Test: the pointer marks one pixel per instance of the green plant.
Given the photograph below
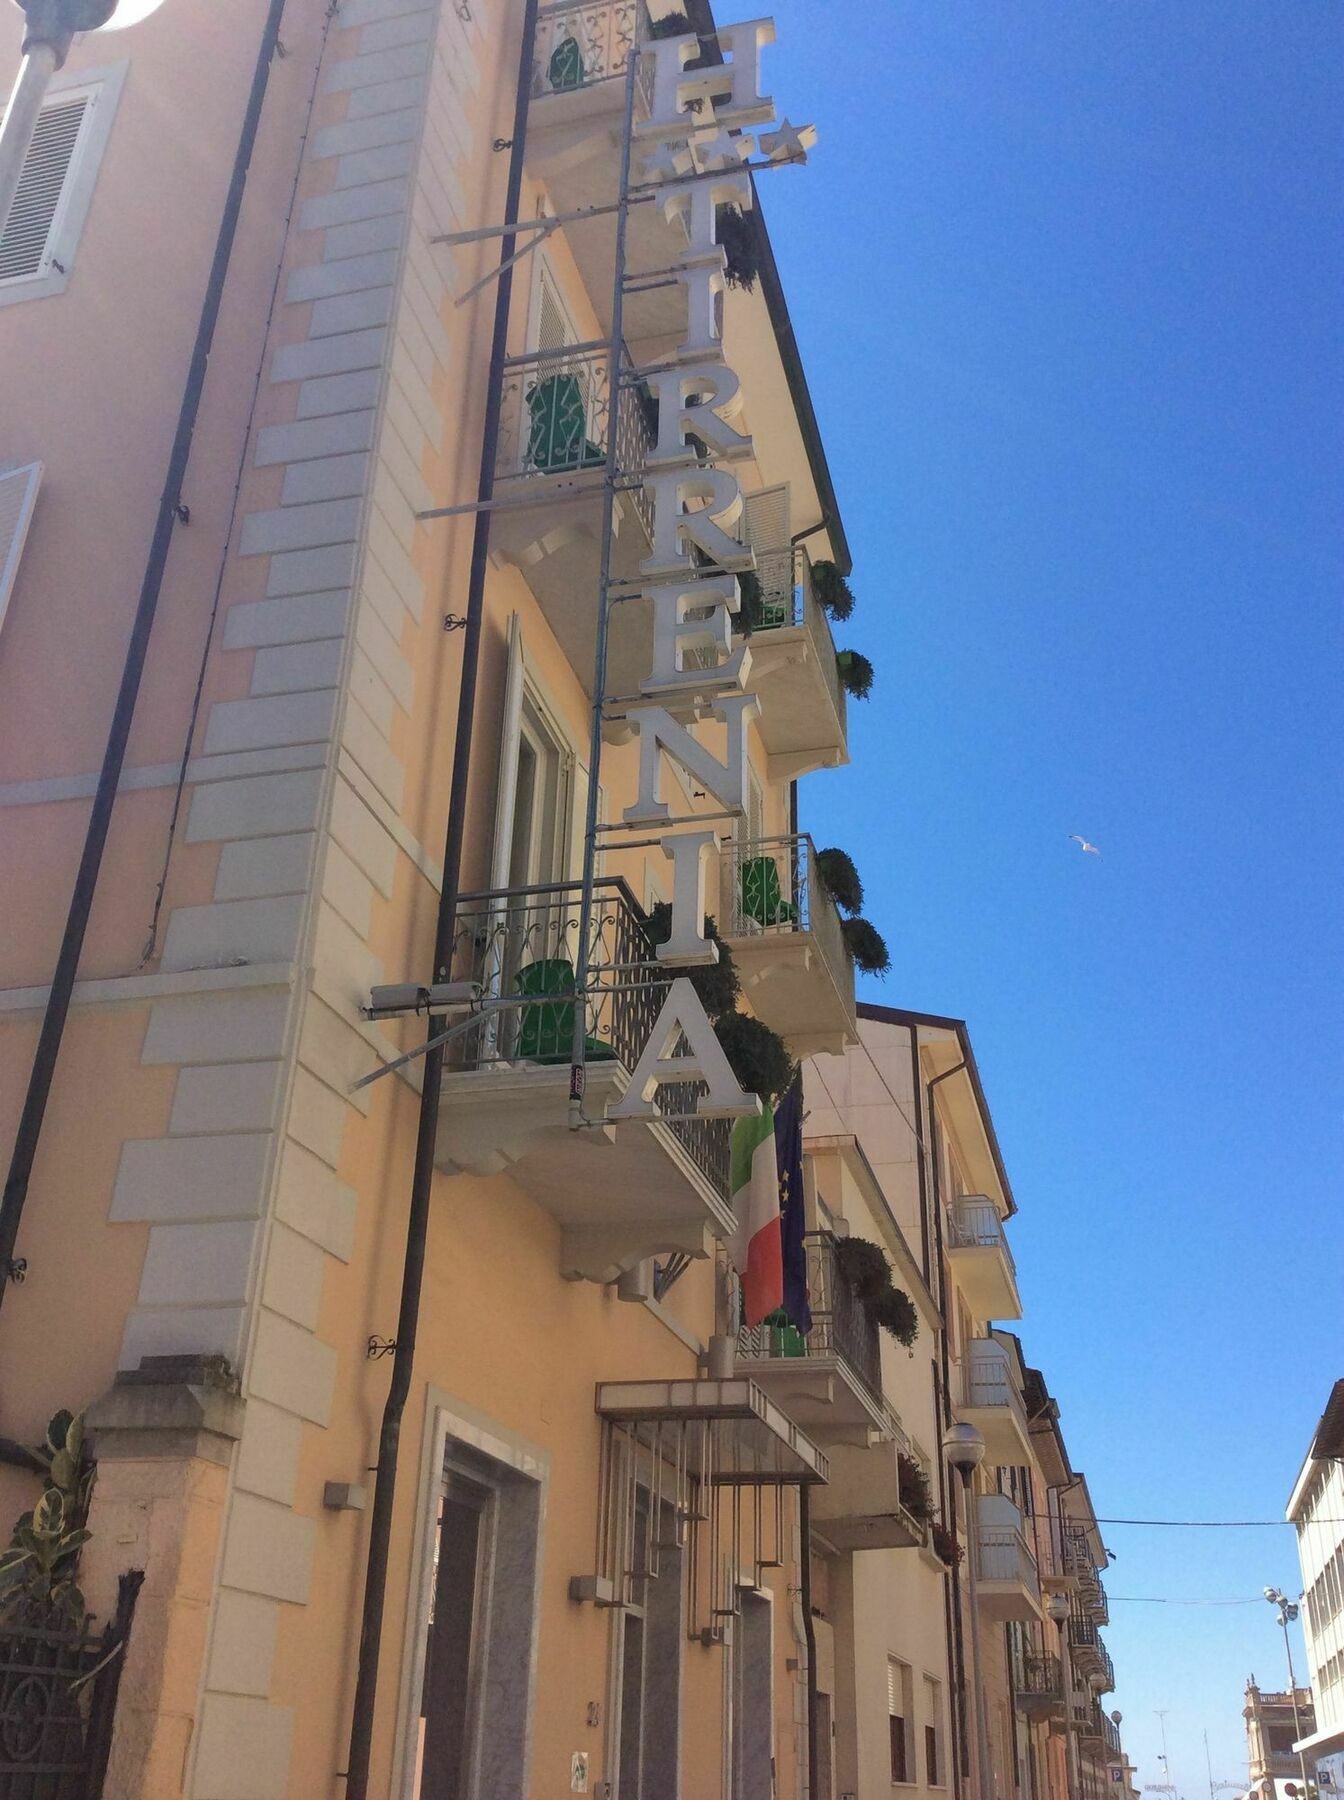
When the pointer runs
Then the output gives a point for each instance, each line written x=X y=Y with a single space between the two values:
x=866 y=946
x=672 y=24
x=748 y=616
x=863 y=1265
x=834 y=594
x=737 y=234
x=716 y=983
x=39 y=1564
x=757 y=1056
x=916 y=1497
x=840 y=879
x=945 y=1546
x=855 y=672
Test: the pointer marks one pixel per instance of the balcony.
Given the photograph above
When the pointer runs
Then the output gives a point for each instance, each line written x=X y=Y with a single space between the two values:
x=1091 y=1659
x=803 y=716
x=982 y=1264
x=830 y=1381
x=550 y=472
x=991 y=1402
x=1087 y=1722
x=619 y=1193
x=1038 y=1684
x=1062 y=1555
x=784 y=932
x=1009 y=1585
x=867 y=1504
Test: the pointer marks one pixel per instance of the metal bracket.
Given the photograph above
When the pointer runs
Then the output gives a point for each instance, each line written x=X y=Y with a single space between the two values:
x=15 y=1269
x=379 y=1346
x=454 y=622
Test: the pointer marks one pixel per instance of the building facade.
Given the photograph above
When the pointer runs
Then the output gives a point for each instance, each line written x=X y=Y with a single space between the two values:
x=1315 y=1508
x=500 y=456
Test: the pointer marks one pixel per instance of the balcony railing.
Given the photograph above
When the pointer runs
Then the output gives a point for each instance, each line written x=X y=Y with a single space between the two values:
x=988 y=1380
x=841 y=1324
x=577 y=45
x=771 y=887
x=1005 y=1555
x=975 y=1224
x=1038 y=1681
x=522 y=943
x=1061 y=1550
x=1111 y=1736
x=788 y=598
x=556 y=412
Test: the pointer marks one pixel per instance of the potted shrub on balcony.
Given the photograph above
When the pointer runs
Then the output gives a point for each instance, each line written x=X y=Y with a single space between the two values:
x=834 y=594
x=945 y=1546
x=914 y=1489
x=855 y=672
x=840 y=879
x=864 y=1266
x=757 y=1056
x=866 y=946
x=716 y=983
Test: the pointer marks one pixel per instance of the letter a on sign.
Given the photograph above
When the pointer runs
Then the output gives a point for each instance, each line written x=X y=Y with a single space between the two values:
x=702 y=1060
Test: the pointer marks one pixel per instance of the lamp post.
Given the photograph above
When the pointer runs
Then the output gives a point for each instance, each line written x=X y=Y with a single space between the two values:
x=1058 y=1608
x=50 y=26
x=964 y=1450
x=1287 y=1612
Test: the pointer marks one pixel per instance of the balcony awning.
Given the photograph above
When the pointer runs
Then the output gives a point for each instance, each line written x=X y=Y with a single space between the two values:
x=744 y=1439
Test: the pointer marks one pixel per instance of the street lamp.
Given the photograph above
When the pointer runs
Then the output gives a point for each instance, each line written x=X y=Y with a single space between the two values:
x=964 y=1450
x=49 y=27
x=1287 y=1613
x=1059 y=1609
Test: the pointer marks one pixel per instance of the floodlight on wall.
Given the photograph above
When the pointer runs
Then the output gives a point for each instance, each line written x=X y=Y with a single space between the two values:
x=402 y=997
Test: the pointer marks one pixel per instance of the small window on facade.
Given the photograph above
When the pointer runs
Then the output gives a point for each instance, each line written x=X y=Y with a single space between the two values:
x=898 y=1710
x=18 y=495
x=37 y=246
x=933 y=1729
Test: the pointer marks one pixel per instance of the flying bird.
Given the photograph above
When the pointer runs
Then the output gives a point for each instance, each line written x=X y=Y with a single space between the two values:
x=1083 y=845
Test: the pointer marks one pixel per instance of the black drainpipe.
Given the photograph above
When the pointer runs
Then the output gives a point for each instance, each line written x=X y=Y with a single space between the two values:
x=29 y=1132
x=810 y=1638
x=417 y=1227
x=956 y=1647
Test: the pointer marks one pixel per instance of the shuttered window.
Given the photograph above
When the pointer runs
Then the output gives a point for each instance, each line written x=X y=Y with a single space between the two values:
x=18 y=494
x=31 y=235
x=765 y=526
x=898 y=1709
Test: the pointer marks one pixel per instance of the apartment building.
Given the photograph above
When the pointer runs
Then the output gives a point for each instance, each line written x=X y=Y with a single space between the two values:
x=415 y=1371
x=1276 y=1722
x=1315 y=1508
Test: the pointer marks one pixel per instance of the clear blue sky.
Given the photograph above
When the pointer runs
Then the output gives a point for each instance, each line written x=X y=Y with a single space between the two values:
x=1068 y=282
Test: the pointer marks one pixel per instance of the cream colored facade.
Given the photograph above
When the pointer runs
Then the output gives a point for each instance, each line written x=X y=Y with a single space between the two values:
x=214 y=1237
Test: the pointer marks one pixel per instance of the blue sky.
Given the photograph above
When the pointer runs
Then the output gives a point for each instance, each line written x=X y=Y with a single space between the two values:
x=1068 y=282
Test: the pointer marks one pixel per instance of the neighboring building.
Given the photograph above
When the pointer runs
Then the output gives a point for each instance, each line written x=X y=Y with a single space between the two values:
x=609 y=1503
x=1275 y=1724
x=1316 y=1509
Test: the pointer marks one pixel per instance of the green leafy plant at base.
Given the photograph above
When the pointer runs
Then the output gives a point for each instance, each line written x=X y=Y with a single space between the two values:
x=716 y=983
x=748 y=616
x=864 y=1266
x=945 y=1547
x=855 y=672
x=834 y=594
x=757 y=1056
x=866 y=946
x=840 y=879
x=916 y=1497
x=39 y=1564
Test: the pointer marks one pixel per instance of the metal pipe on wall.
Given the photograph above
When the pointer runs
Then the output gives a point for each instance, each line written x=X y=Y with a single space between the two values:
x=417 y=1229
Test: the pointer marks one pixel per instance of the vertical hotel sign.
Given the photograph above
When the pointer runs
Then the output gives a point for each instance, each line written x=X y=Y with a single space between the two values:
x=693 y=146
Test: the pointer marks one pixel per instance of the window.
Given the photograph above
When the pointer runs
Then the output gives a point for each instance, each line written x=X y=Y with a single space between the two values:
x=933 y=1732
x=18 y=495
x=899 y=1721
x=37 y=248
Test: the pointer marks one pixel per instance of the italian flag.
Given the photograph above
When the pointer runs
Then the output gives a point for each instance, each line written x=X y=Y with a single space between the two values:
x=757 y=1247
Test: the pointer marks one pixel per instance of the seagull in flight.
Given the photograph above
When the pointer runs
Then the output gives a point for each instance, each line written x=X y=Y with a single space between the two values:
x=1083 y=845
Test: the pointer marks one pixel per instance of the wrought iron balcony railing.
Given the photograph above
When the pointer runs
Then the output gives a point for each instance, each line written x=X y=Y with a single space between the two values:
x=841 y=1324
x=582 y=42
x=522 y=943
x=556 y=412
x=1111 y=1736
x=1037 y=1680
x=975 y=1224
x=1003 y=1554
x=1061 y=1550
x=771 y=887
x=788 y=597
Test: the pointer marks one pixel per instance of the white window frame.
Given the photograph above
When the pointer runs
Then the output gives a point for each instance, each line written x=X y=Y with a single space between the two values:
x=103 y=86
x=11 y=553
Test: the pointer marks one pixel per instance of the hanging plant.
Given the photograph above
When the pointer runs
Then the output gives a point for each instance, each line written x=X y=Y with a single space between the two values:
x=757 y=1056
x=834 y=594
x=866 y=946
x=915 y=1494
x=945 y=1547
x=855 y=672
x=39 y=1564
x=863 y=1265
x=840 y=879
x=716 y=983
x=749 y=615
x=737 y=234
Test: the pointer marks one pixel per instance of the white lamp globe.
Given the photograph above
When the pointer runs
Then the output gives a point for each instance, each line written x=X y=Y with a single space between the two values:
x=130 y=12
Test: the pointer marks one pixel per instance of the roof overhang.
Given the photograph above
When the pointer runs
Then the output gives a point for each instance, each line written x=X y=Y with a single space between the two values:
x=747 y=1442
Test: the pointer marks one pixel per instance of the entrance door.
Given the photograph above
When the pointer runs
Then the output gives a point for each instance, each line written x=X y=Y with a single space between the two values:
x=449 y=1697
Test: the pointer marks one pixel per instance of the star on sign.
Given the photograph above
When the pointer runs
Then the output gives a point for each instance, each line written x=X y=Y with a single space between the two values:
x=790 y=143
x=1083 y=845
x=719 y=149
x=668 y=162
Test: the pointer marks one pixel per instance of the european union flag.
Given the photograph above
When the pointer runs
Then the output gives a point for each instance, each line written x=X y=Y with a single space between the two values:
x=792 y=1205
